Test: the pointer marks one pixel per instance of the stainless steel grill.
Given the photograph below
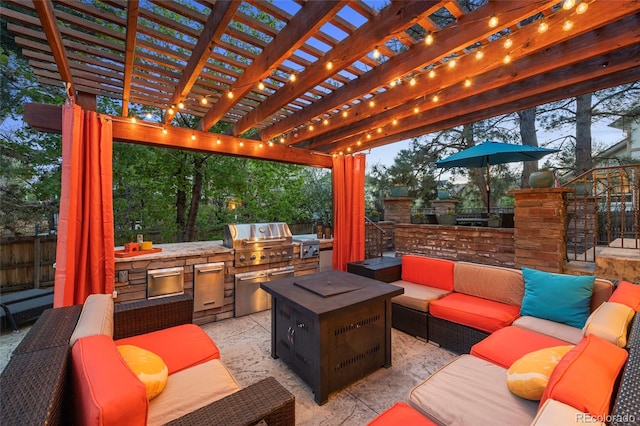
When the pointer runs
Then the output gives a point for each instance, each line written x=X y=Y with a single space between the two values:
x=309 y=246
x=259 y=243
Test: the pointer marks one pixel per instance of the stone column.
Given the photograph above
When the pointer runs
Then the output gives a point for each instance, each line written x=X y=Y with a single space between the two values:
x=443 y=206
x=398 y=209
x=540 y=224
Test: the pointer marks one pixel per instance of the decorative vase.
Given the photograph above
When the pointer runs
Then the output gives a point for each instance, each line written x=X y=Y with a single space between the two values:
x=400 y=191
x=543 y=179
x=443 y=194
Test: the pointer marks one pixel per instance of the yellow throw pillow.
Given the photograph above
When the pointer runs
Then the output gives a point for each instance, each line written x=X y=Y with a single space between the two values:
x=610 y=322
x=147 y=366
x=528 y=376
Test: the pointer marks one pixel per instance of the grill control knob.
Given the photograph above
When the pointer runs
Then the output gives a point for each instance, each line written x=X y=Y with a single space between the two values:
x=272 y=254
x=242 y=258
x=263 y=256
x=253 y=257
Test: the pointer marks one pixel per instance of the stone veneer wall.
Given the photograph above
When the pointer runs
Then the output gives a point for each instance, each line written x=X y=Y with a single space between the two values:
x=388 y=238
x=398 y=209
x=540 y=218
x=490 y=246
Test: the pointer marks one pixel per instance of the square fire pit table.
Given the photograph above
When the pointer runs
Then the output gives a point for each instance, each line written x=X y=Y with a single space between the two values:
x=331 y=328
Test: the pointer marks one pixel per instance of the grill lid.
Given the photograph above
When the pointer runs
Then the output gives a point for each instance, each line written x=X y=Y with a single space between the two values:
x=246 y=235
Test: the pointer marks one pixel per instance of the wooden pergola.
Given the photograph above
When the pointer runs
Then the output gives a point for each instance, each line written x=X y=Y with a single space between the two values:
x=300 y=81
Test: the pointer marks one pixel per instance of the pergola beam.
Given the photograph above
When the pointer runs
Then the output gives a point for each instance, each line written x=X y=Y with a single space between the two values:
x=313 y=16
x=48 y=118
x=133 y=9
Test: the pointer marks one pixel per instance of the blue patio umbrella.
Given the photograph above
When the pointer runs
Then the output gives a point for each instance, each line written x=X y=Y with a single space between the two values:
x=490 y=152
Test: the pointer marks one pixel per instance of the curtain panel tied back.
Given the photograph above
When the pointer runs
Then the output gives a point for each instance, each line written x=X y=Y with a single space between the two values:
x=85 y=248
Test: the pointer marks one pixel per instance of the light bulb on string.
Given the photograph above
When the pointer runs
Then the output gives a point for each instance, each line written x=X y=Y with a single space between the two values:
x=376 y=53
x=181 y=105
x=393 y=83
x=261 y=86
x=148 y=115
x=230 y=94
x=372 y=103
x=133 y=119
x=416 y=110
x=164 y=131
x=543 y=27
x=193 y=137
x=241 y=143
x=432 y=73
x=379 y=130
x=508 y=43
x=170 y=110
x=568 y=4
x=479 y=54
x=506 y=59
x=311 y=127
x=325 y=121
x=412 y=82
x=218 y=141
x=582 y=8
x=451 y=63
x=467 y=82
x=281 y=140
x=395 y=121
x=428 y=39
x=292 y=77
x=329 y=65
x=436 y=98
x=204 y=100
x=345 y=114
x=493 y=22
x=568 y=25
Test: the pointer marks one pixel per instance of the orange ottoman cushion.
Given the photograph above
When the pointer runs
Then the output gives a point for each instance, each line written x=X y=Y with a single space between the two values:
x=476 y=312
x=105 y=390
x=179 y=347
x=584 y=378
x=511 y=343
x=423 y=270
x=401 y=414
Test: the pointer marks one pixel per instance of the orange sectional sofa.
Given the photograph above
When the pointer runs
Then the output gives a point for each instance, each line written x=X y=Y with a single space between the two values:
x=135 y=363
x=458 y=304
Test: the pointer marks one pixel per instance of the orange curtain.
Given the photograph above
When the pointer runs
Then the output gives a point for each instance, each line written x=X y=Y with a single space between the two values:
x=348 y=209
x=85 y=249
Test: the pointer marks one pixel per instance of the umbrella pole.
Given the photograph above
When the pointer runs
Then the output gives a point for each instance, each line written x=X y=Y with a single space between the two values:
x=488 y=191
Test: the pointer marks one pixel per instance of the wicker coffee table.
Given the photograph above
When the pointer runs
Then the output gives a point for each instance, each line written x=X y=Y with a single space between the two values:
x=331 y=328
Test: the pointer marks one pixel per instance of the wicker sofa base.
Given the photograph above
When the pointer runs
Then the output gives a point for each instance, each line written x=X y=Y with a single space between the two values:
x=410 y=321
x=36 y=390
x=452 y=336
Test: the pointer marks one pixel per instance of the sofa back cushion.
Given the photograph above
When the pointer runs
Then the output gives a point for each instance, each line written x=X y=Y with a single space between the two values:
x=424 y=270
x=602 y=291
x=610 y=322
x=628 y=294
x=96 y=317
x=503 y=285
x=106 y=392
x=585 y=377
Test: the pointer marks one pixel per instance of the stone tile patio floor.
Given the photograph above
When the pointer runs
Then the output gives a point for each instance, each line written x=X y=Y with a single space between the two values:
x=245 y=349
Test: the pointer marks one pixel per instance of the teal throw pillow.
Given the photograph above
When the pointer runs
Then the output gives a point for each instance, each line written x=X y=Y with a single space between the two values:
x=557 y=297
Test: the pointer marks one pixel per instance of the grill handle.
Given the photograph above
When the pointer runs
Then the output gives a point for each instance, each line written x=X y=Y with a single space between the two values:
x=166 y=275
x=282 y=273
x=252 y=278
x=265 y=240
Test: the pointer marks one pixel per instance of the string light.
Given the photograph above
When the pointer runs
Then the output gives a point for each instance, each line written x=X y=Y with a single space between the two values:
x=218 y=141
x=395 y=121
x=181 y=105
x=568 y=4
x=148 y=115
x=270 y=143
x=292 y=77
x=412 y=82
x=164 y=131
x=329 y=65
x=260 y=145
x=311 y=127
x=204 y=101
x=379 y=130
x=493 y=22
x=281 y=140
x=543 y=27
x=567 y=25
x=241 y=143
x=479 y=55
x=325 y=121
x=467 y=82
x=368 y=135
x=193 y=136
x=345 y=114
x=376 y=53
x=452 y=63
x=582 y=8
x=508 y=43
x=393 y=83
x=416 y=110
x=261 y=86
x=170 y=110
x=436 y=98
x=359 y=143
x=133 y=119
x=506 y=59
x=372 y=103
x=428 y=39
x=432 y=74
x=230 y=94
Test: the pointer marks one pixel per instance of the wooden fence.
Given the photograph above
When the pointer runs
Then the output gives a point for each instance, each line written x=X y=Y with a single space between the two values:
x=27 y=262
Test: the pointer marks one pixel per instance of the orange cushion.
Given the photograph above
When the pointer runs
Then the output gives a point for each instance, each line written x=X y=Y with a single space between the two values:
x=627 y=294
x=586 y=375
x=106 y=392
x=423 y=270
x=401 y=414
x=179 y=347
x=509 y=344
x=472 y=311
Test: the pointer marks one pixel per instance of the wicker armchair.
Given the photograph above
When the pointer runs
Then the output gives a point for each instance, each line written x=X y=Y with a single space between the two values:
x=36 y=384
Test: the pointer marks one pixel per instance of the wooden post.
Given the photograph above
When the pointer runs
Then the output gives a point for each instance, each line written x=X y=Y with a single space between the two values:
x=37 y=267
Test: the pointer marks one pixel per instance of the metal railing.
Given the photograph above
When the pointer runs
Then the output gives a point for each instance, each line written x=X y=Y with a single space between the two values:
x=373 y=239
x=603 y=211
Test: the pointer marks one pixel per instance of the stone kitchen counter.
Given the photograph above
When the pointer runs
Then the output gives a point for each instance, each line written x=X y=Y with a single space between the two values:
x=131 y=272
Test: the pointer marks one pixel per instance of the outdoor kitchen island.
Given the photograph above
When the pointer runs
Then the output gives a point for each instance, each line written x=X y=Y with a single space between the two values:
x=331 y=328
